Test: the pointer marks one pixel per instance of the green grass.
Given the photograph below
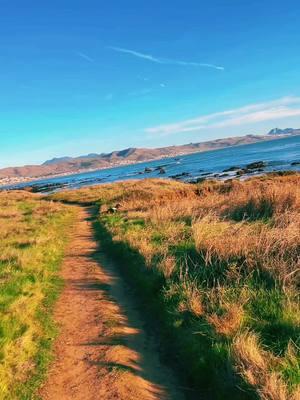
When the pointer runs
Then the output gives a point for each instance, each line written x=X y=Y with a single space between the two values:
x=188 y=343
x=33 y=236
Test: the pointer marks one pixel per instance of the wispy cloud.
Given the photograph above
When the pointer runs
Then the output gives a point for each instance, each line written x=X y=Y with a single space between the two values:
x=85 y=56
x=272 y=110
x=160 y=60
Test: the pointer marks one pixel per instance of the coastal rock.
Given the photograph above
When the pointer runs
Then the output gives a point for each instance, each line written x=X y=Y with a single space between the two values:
x=241 y=171
x=162 y=171
x=295 y=163
x=244 y=171
x=44 y=188
x=147 y=170
x=230 y=169
x=256 y=165
x=182 y=175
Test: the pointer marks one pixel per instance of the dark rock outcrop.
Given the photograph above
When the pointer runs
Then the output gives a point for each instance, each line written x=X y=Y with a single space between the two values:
x=147 y=170
x=256 y=165
x=230 y=169
x=182 y=175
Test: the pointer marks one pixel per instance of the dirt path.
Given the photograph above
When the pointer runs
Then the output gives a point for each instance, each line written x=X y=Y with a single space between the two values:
x=103 y=351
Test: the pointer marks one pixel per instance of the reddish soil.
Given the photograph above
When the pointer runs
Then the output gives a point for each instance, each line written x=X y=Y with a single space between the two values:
x=103 y=351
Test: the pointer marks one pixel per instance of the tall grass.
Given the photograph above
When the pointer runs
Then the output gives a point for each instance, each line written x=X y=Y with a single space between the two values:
x=226 y=260
x=32 y=238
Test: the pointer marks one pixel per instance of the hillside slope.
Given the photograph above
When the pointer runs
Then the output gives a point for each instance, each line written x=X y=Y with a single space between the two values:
x=69 y=165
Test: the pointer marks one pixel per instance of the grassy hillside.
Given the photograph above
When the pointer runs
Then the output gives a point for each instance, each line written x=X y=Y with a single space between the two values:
x=218 y=263
x=32 y=239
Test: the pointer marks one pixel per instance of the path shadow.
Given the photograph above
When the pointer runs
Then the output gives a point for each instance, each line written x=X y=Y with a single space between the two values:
x=145 y=347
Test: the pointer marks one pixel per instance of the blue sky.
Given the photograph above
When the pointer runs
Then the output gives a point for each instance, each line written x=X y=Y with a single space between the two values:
x=93 y=76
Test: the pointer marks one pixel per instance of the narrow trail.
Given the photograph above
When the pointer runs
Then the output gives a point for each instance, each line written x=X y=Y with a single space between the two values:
x=103 y=351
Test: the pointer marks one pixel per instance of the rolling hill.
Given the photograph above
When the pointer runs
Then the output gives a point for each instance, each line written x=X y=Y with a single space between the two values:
x=94 y=161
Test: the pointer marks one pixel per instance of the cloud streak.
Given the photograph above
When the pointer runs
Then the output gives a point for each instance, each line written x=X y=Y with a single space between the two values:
x=253 y=113
x=85 y=57
x=167 y=61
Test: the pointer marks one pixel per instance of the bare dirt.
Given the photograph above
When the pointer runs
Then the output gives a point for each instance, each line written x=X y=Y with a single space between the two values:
x=103 y=351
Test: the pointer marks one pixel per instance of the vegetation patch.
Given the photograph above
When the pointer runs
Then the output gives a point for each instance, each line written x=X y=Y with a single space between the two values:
x=32 y=240
x=217 y=263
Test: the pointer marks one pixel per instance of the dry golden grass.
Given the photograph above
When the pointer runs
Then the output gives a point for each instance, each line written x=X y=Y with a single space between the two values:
x=251 y=361
x=230 y=256
x=230 y=322
x=255 y=365
x=191 y=298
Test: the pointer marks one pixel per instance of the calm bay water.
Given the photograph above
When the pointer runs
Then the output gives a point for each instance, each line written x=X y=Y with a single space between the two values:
x=278 y=154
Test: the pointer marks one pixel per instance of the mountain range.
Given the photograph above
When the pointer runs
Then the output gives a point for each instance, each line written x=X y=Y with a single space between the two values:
x=286 y=131
x=94 y=161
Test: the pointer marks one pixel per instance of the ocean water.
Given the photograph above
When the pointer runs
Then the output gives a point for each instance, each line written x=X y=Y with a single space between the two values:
x=278 y=154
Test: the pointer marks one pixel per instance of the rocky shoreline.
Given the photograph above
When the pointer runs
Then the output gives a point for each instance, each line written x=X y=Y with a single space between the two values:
x=237 y=172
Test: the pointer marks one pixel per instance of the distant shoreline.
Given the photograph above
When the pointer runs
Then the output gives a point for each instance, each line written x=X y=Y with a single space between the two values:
x=15 y=181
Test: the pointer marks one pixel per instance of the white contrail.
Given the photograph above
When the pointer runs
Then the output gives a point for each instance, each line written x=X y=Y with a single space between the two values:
x=159 y=60
x=84 y=56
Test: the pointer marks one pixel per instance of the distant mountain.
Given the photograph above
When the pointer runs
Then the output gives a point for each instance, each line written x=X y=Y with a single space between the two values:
x=286 y=131
x=131 y=155
x=126 y=153
x=58 y=160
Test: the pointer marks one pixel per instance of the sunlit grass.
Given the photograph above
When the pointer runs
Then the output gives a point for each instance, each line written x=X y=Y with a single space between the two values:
x=226 y=258
x=32 y=239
